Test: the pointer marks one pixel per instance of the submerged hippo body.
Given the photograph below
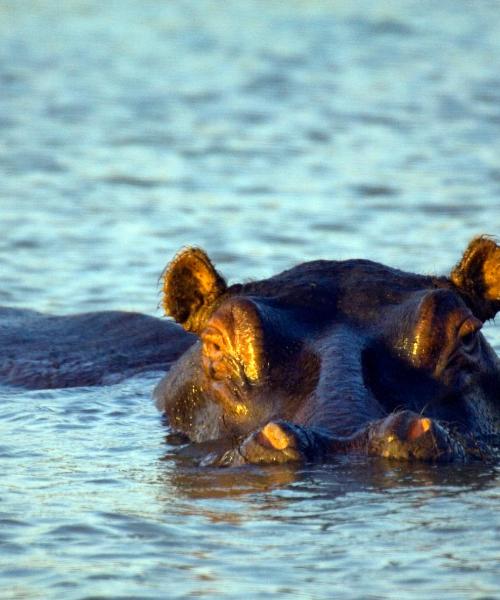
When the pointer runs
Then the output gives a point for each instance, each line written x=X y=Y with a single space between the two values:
x=328 y=357
x=40 y=351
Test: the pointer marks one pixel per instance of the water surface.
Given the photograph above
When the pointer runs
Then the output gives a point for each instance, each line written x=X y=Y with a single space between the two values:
x=268 y=134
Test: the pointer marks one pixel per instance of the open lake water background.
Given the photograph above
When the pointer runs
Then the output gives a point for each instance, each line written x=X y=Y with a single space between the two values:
x=267 y=133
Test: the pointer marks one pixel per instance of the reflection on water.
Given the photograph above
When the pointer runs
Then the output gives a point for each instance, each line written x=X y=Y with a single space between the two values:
x=351 y=474
x=212 y=482
x=268 y=135
x=344 y=475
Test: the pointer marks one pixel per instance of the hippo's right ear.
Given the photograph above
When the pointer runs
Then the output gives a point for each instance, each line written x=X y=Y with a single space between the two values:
x=477 y=277
x=191 y=286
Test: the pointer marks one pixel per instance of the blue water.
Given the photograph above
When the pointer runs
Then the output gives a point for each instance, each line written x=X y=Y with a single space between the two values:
x=267 y=133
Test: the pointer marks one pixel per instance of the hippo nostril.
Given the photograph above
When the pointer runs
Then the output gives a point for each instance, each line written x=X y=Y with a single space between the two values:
x=418 y=428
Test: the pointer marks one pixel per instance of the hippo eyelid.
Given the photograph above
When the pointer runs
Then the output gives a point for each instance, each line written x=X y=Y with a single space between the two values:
x=470 y=326
x=467 y=333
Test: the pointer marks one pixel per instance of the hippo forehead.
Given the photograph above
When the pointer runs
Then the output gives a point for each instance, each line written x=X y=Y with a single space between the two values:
x=356 y=290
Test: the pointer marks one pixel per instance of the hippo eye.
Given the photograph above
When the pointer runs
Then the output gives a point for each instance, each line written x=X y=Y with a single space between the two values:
x=212 y=341
x=469 y=341
x=468 y=334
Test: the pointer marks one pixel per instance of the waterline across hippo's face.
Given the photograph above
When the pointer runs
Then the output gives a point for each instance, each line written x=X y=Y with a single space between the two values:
x=336 y=356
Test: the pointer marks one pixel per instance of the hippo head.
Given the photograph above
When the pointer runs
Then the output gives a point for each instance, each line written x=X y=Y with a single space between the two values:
x=351 y=352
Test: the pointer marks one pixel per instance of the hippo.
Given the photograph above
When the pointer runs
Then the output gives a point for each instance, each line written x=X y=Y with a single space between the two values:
x=328 y=357
x=336 y=357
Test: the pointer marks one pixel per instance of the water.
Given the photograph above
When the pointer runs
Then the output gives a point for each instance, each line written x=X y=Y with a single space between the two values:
x=266 y=133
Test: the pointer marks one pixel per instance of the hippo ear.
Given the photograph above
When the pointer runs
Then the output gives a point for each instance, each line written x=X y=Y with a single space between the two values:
x=477 y=277
x=191 y=286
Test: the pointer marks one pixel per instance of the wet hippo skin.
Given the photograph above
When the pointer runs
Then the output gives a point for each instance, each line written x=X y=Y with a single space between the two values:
x=336 y=356
x=43 y=351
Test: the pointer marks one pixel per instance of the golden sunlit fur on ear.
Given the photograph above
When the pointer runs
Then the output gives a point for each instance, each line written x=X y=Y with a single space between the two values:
x=491 y=271
x=477 y=276
x=191 y=286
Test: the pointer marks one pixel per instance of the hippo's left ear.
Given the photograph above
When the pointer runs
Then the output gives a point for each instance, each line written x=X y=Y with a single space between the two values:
x=191 y=287
x=477 y=277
